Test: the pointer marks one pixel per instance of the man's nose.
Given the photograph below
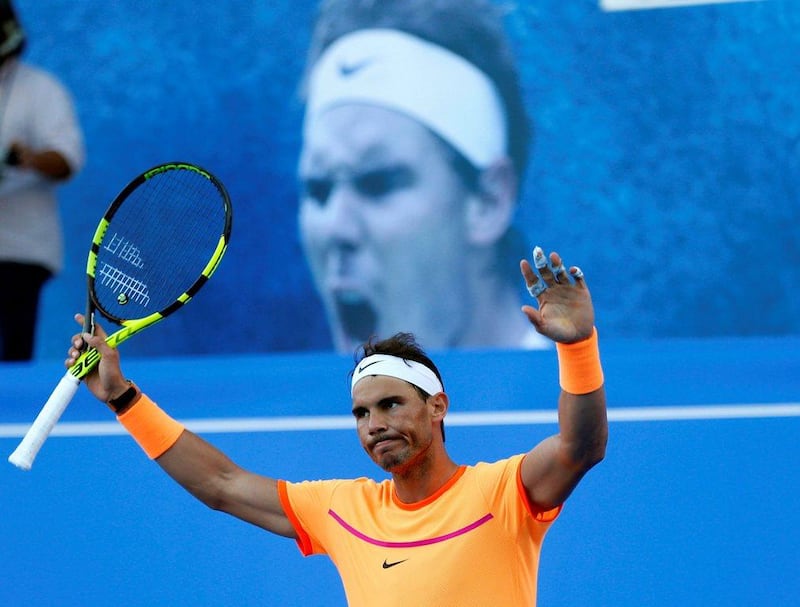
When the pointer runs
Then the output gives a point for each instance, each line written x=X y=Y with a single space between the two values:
x=343 y=213
x=377 y=422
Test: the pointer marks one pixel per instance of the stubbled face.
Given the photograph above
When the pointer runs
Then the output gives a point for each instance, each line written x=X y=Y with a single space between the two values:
x=382 y=226
x=394 y=423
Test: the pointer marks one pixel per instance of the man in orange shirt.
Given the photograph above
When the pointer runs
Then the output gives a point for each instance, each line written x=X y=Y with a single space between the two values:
x=436 y=533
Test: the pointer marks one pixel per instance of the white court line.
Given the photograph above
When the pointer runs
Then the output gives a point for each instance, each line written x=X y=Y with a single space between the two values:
x=483 y=418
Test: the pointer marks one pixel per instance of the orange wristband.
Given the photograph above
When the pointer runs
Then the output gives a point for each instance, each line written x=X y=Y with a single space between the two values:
x=151 y=427
x=579 y=368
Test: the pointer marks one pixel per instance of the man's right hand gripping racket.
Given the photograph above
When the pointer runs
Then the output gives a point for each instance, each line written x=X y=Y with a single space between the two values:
x=156 y=246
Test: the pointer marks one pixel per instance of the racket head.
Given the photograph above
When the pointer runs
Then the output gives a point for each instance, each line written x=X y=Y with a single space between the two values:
x=158 y=243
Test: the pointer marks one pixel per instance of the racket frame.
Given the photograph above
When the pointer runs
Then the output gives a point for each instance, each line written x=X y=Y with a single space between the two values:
x=27 y=450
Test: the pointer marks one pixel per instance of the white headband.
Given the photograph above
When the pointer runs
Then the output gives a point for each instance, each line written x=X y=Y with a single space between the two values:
x=393 y=366
x=440 y=89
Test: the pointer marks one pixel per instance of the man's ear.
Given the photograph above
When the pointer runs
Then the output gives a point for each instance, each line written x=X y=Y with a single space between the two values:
x=439 y=404
x=490 y=210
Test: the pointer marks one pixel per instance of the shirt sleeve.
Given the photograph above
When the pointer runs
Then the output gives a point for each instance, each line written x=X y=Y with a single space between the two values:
x=303 y=540
x=56 y=126
x=501 y=485
x=306 y=505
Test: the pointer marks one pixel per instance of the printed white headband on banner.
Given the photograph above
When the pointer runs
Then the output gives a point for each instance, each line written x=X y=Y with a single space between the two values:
x=432 y=85
x=393 y=366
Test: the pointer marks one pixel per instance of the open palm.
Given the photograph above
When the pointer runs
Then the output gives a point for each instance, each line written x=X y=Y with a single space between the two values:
x=565 y=312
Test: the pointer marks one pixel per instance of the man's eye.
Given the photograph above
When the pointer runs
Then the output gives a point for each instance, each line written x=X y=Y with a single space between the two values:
x=380 y=182
x=359 y=413
x=318 y=189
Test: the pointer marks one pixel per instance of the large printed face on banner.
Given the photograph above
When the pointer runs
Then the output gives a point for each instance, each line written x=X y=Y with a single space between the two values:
x=407 y=195
x=382 y=222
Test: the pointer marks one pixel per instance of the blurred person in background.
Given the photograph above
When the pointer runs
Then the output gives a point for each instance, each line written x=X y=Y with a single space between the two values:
x=41 y=145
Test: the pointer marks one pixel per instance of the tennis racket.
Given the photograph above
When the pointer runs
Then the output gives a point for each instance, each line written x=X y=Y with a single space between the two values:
x=158 y=243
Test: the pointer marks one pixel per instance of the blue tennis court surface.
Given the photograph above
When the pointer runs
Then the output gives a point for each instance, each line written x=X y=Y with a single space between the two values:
x=695 y=503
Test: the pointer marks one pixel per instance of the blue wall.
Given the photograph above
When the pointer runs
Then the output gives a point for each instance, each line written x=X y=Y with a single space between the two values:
x=681 y=512
x=667 y=158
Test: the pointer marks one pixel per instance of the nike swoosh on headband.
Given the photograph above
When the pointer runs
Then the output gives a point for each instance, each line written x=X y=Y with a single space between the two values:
x=361 y=368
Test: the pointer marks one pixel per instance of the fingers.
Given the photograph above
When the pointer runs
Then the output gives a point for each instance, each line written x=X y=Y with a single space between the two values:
x=577 y=275
x=98 y=328
x=548 y=271
x=545 y=275
x=554 y=272
x=82 y=340
x=534 y=285
x=565 y=312
x=557 y=268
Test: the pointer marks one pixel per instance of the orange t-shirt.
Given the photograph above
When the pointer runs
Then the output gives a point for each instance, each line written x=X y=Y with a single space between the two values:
x=476 y=541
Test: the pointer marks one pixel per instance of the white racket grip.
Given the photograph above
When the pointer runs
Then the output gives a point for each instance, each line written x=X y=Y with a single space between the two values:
x=44 y=423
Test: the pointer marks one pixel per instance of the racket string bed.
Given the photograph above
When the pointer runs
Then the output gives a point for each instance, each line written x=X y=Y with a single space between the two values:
x=128 y=252
x=162 y=258
x=120 y=283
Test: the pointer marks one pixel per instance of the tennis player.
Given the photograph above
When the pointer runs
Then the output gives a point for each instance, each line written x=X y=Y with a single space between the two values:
x=414 y=143
x=437 y=532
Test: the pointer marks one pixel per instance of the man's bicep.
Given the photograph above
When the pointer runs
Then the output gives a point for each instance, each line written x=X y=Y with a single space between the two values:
x=256 y=500
x=547 y=477
x=217 y=481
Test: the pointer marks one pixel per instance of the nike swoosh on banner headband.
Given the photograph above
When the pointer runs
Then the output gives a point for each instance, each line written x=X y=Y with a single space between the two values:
x=432 y=85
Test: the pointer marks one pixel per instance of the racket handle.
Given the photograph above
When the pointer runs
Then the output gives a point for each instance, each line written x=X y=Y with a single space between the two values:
x=44 y=423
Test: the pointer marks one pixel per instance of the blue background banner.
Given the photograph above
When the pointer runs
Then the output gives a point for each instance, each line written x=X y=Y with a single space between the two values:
x=666 y=161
